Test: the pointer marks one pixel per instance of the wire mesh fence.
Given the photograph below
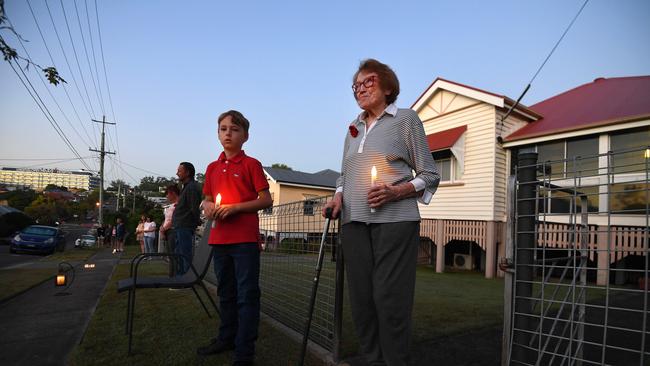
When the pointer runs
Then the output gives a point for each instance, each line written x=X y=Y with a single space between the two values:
x=580 y=291
x=291 y=235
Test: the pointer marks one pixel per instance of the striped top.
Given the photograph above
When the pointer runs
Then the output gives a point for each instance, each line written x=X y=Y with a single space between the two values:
x=396 y=145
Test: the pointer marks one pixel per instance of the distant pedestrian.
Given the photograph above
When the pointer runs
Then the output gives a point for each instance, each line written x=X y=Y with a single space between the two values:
x=186 y=215
x=244 y=190
x=167 y=234
x=120 y=233
x=108 y=236
x=149 y=235
x=139 y=233
x=100 y=236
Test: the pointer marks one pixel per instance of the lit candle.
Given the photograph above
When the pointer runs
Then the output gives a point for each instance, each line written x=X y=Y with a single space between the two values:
x=60 y=280
x=217 y=203
x=373 y=180
x=647 y=154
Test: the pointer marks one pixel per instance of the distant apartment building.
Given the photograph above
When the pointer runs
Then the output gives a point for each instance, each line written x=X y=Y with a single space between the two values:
x=38 y=179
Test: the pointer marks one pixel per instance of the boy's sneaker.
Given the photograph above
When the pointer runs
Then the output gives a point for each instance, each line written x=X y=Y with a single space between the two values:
x=114 y=251
x=215 y=347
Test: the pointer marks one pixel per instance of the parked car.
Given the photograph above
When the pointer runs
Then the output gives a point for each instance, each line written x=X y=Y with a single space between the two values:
x=85 y=241
x=38 y=239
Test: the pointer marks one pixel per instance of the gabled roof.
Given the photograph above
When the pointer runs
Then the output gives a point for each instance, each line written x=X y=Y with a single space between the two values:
x=497 y=100
x=605 y=101
x=445 y=139
x=323 y=179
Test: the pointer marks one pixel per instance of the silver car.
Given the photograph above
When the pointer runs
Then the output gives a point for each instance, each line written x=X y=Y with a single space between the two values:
x=85 y=241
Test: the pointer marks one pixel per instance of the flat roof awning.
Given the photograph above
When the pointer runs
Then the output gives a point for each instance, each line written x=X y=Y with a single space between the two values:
x=445 y=139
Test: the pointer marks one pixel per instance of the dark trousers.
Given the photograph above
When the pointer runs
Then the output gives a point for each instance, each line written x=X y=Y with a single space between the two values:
x=170 y=247
x=380 y=266
x=184 y=246
x=237 y=267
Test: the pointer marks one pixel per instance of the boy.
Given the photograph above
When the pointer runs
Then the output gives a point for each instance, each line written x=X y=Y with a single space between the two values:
x=240 y=183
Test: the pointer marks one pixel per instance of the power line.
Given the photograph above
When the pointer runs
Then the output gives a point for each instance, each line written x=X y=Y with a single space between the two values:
x=92 y=48
x=74 y=79
x=108 y=90
x=144 y=170
x=74 y=51
x=43 y=109
x=65 y=89
x=41 y=78
x=559 y=40
x=90 y=69
x=45 y=159
x=499 y=138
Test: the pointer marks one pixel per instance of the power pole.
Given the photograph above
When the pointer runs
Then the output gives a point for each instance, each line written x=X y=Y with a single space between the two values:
x=117 y=205
x=102 y=153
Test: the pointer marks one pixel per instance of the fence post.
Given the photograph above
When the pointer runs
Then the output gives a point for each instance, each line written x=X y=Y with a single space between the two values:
x=440 y=246
x=524 y=247
x=338 y=299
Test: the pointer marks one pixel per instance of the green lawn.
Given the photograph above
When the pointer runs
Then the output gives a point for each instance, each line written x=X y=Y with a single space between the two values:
x=170 y=325
x=16 y=280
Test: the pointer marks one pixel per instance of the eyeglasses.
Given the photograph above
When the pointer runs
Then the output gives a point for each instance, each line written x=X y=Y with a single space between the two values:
x=367 y=83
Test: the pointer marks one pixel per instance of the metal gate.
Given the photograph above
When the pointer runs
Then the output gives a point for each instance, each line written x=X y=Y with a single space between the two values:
x=577 y=261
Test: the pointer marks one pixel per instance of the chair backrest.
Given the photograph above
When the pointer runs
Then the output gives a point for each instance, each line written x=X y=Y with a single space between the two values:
x=203 y=252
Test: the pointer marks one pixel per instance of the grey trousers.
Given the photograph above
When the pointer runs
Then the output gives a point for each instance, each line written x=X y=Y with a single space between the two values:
x=380 y=266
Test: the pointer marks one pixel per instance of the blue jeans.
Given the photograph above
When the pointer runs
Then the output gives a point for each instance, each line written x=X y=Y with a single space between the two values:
x=237 y=267
x=184 y=241
x=149 y=244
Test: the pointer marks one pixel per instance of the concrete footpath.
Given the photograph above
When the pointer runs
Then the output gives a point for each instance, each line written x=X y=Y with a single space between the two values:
x=40 y=327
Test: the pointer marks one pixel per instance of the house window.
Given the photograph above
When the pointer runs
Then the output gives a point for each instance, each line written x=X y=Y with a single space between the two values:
x=448 y=166
x=555 y=201
x=629 y=198
x=629 y=161
x=309 y=204
x=568 y=158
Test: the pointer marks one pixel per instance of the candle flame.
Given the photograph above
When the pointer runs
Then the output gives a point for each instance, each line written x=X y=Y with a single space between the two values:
x=373 y=173
x=217 y=200
x=647 y=154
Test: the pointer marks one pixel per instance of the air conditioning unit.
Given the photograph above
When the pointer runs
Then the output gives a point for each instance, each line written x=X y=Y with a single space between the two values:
x=463 y=261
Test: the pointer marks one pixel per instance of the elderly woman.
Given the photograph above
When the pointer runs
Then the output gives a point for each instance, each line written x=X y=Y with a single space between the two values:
x=379 y=212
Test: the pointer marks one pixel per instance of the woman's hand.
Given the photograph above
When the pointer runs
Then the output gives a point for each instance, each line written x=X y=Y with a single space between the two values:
x=381 y=193
x=223 y=211
x=335 y=204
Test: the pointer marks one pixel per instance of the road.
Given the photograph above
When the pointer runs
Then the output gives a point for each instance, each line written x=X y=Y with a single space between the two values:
x=72 y=232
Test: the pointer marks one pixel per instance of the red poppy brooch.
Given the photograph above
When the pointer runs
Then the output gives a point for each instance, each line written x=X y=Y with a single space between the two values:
x=353 y=131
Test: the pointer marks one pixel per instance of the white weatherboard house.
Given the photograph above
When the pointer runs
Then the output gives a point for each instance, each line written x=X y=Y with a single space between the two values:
x=472 y=145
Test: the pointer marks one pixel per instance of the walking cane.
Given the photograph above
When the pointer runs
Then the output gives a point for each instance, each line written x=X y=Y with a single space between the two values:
x=314 y=289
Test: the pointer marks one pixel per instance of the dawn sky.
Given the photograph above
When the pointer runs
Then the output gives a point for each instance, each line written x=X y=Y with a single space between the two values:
x=173 y=67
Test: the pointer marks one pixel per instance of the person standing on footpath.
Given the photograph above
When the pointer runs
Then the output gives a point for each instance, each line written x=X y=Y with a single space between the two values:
x=167 y=234
x=186 y=215
x=240 y=182
x=120 y=233
x=149 y=235
x=380 y=221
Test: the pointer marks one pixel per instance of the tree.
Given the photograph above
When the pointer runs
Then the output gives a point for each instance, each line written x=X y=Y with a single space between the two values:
x=10 y=54
x=200 y=178
x=54 y=187
x=44 y=210
x=19 y=199
x=118 y=183
x=281 y=166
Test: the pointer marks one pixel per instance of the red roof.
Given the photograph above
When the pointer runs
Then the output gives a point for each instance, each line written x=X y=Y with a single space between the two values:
x=604 y=101
x=445 y=139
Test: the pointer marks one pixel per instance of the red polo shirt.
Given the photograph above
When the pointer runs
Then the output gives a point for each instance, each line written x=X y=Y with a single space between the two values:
x=238 y=179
